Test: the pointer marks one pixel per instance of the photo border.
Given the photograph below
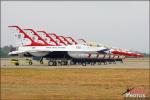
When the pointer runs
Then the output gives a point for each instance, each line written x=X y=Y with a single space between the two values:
x=77 y=1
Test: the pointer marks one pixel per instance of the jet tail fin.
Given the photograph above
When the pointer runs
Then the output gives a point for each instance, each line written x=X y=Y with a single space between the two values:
x=23 y=39
x=34 y=35
x=47 y=38
x=56 y=38
x=82 y=41
x=71 y=40
x=65 y=40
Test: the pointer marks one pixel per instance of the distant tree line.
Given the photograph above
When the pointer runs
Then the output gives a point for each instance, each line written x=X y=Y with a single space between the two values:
x=5 y=50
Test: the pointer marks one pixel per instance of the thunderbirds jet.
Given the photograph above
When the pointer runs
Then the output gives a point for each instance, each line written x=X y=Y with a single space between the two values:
x=40 y=44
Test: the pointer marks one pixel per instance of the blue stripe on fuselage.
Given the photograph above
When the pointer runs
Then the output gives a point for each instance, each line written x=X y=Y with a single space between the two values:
x=103 y=51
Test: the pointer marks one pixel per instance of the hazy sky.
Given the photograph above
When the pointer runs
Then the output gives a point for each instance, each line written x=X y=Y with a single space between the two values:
x=123 y=24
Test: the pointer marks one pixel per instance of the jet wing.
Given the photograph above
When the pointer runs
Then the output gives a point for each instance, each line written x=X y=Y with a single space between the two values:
x=29 y=53
x=16 y=52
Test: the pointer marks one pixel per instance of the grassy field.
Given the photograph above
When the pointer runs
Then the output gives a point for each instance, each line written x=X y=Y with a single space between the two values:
x=72 y=84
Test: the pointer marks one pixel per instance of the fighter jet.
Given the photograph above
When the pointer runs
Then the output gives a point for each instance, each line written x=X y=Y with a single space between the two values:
x=40 y=44
x=34 y=45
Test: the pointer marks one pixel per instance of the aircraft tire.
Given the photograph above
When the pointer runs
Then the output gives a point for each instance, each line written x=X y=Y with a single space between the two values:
x=105 y=63
x=62 y=63
x=50 y=63
x=84 y=64
x=99 y=63
x=54 y=63
x=92 y=63
x=114 y=62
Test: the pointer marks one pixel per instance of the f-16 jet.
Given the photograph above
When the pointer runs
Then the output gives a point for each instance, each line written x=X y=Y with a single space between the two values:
x=61 y=49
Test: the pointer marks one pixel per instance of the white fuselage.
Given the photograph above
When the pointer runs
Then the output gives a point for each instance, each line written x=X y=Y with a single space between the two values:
x=75 y=51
